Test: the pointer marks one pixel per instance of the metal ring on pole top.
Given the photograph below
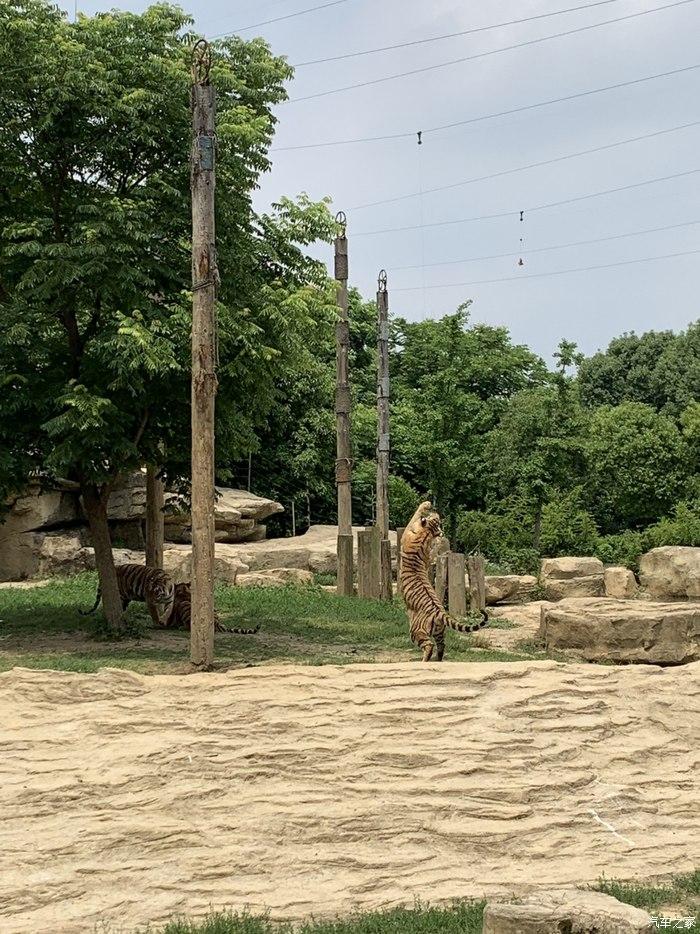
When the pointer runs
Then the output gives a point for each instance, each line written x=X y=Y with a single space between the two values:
x=381 y=280
x=201 y=62
x=342 y=221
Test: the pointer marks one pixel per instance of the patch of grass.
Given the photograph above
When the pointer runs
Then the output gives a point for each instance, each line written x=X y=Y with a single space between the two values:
x=682 y=890
x=42 y=628
x=501 y=622
x=460 y=918
x=325 y=580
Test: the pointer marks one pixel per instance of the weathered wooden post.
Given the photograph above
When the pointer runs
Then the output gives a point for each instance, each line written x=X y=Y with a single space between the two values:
x=343 y=463
x=476 y=568
x=399 y=536
x=368 y=565
x=155 y=519
x=383 y=447
x=456 y=585
x=441 y=577
x=205 y=278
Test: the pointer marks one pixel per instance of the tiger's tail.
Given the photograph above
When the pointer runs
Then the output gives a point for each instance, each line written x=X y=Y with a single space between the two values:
x=462 y=627
x=236 y=630
x=97 y=603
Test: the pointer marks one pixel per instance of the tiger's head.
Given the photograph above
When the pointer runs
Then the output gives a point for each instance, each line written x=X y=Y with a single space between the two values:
x=163 y=588
x=422 y=530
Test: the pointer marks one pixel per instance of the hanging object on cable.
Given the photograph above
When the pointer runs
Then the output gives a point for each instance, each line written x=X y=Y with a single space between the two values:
x=521 y=261
x=420 y=137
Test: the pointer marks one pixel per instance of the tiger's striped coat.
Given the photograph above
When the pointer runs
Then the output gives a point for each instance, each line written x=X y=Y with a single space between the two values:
x=142 y=584
x=181 y=615
x=428 y=619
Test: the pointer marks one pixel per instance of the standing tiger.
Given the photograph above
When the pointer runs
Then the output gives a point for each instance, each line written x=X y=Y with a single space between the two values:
x=146 y=585
x=428 y=620
x=181 y=614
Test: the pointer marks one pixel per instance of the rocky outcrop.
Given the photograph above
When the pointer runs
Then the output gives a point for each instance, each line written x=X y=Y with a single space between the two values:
x=276 y=577
x=620 y=583
x=509 y=588
x=26 y=550
x=623 y=630
x=314 y=551
x=177 y=561
x=237 y=517
x=571 y=910
x=300 y=790
x=572 y=577
x=23 y=528
x=671 y=573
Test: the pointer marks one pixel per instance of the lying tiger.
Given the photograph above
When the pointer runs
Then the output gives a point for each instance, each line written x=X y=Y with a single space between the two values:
x=428 y=620
x=146 y=585
x=181 y=614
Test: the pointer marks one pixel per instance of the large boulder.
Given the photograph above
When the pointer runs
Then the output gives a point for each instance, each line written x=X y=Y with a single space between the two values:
x=237 y=517
x=29 y=515
x=620 y=583
x=315 y=550
x=572 y=577
x=509 y=588
x=275 y=577
x=570 y=910
x=623 y=630
x=671 y=573
x=177 y=561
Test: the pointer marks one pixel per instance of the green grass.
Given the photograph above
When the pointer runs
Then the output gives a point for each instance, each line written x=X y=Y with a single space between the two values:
x=679 y=897
x=42 y=628
x=460 y=918
x=682 y=890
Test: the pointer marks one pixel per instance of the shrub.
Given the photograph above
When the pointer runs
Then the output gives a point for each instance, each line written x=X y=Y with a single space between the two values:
x=567 y=528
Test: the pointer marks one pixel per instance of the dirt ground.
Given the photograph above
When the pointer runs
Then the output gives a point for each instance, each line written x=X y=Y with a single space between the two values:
x=127 y=799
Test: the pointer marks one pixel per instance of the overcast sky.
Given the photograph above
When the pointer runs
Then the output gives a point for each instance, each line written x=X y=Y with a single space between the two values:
x=589 y=307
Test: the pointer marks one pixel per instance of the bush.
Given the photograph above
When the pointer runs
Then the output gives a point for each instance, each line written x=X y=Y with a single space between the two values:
x=567 y=529
x=680 y=528
x=625 y=549
x=505 y=540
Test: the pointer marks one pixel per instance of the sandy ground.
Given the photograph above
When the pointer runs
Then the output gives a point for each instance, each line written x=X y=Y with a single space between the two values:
x=126 y=799
x=526 y=616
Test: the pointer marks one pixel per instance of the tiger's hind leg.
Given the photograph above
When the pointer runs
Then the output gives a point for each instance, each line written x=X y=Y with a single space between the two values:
x=439 y=636
x=424 y=642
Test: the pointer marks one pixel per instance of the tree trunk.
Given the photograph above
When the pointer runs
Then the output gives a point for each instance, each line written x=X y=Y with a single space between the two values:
x=95 y=504
x=155 y=520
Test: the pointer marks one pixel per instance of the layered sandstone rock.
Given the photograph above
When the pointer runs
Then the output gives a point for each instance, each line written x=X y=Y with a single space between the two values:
x=570 y=910
x=671 y=573
x=509 y=588
x=623 y=630
x=620 y=583
x=276 y=577
x=572 y=577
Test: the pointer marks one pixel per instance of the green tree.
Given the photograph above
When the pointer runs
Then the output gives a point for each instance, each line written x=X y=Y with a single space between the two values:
x=450 y=383
x=536 y=452
x=659 y=368
x=637 y=466
x=94 y=266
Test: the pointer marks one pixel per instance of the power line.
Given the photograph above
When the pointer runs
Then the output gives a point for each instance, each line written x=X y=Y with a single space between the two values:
x=411 y=134
x=530 y=165
x=278 y=19
x=453 y=35
x=548 y=249
x=530 y=210
x=542 y=275
x=469 y=58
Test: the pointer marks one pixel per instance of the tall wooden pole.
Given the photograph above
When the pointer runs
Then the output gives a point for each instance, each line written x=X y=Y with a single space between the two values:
x=205 y=278
x=343 y=463
x=385 y=586
x=155 y=520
